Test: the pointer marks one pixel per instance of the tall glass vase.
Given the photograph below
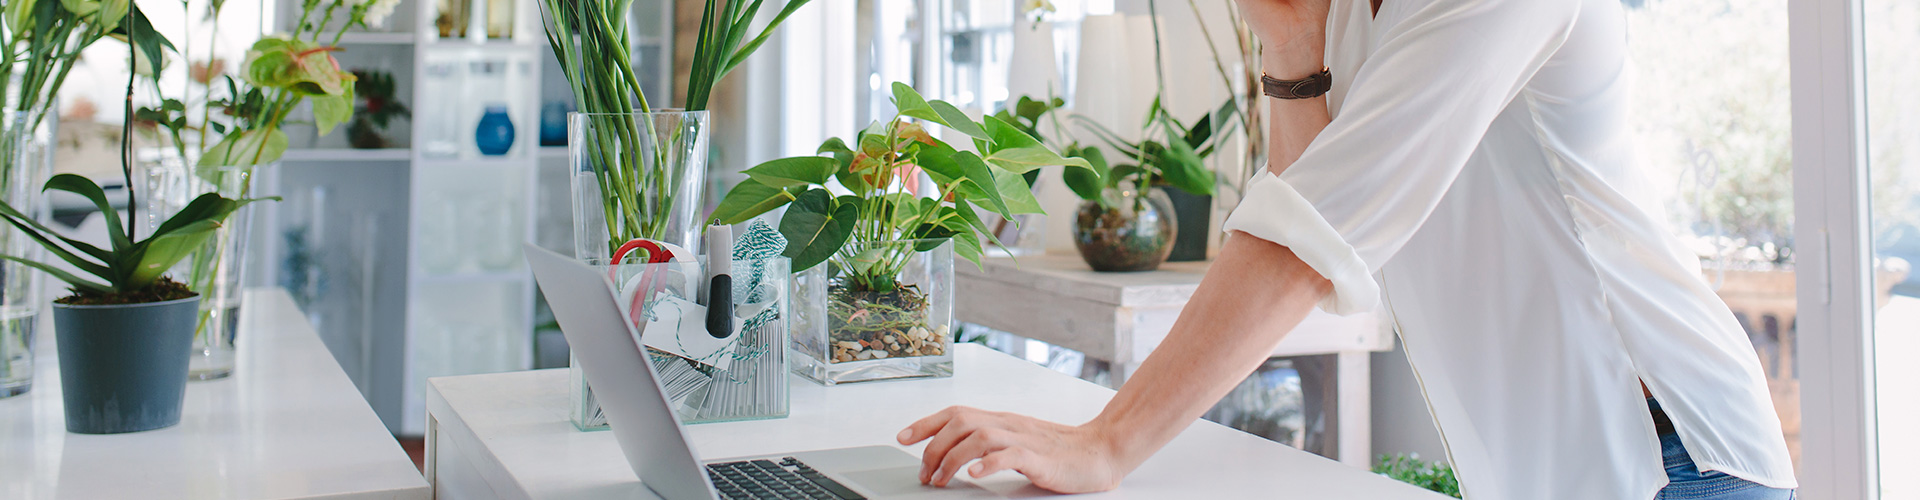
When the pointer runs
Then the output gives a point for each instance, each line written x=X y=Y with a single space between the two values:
x=26 y=150
x=636 y=176
x=217 y=270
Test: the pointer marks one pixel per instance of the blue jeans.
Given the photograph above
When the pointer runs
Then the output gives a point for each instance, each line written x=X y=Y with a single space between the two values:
x=1686 y=482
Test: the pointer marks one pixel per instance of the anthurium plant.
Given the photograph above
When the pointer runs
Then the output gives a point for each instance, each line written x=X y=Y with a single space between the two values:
x=245 y=122
x=882 y=170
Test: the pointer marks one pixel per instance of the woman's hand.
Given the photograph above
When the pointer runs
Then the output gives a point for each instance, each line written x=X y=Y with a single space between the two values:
x=1293 y=34
x=1060 y=458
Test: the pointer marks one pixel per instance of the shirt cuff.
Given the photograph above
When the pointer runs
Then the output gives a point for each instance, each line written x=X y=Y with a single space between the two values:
x=1273 y=211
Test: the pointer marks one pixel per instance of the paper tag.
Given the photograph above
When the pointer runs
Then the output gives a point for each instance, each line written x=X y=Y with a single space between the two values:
x=679 y=326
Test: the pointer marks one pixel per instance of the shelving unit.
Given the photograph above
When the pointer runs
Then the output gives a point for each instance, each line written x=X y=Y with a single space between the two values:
x=443 y=289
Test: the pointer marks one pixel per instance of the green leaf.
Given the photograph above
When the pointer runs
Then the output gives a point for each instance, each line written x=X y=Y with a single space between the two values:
x=929 y=231
x=62 y=275
x=18 y=221
x=904 y=207
x=796 y=171
x=977 y=172
x=958 y=120
x=209 y=206
x=912 y=104
x=839 y=149
x=1018 y=152
x=1018 y=194
x=1183 y=169
x=815 y=228
x=162 y=251
x=332 y=110
x=141 y=34
x=1088 y=182
x=15 y=216
x=116 y=233
x=1026 y=159
x=747 y=200
x=251 y=147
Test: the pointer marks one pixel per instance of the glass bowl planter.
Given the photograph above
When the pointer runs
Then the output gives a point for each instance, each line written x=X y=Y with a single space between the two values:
x=849 y=331
x=1125 y=231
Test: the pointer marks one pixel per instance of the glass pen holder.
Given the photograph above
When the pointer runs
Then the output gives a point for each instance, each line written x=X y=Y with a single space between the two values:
x=707 y=378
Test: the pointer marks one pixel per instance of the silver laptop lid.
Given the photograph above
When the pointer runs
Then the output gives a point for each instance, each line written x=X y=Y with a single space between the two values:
x=624 y=383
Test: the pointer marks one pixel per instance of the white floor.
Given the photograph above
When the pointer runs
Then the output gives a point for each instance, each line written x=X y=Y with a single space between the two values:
x=1897 y=345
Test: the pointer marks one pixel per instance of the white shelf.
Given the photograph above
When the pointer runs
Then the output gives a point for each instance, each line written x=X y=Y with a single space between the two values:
x=344 y=154
x=559 y=152
x=376 y=38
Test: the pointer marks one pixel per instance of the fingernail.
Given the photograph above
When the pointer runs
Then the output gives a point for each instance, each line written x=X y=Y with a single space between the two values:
x=977 y=468
x=904 y=434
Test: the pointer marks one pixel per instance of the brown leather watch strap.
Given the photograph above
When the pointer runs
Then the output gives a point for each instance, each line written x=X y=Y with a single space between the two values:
x=1312 y=86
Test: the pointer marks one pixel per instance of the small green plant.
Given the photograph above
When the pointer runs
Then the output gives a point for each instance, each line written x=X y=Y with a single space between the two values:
x=380 y=104
x=129 y=271
x=1434 y=476
x=1177 y=161
x=886 y=205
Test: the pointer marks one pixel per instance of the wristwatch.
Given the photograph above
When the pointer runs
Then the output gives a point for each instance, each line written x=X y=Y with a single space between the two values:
x=1312 y=86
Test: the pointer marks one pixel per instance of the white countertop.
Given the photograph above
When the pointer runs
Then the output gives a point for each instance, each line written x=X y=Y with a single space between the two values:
x=287 y=424
x=506 y=435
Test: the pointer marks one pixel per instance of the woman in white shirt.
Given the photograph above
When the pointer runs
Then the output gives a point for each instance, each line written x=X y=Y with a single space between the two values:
x=1470 y=165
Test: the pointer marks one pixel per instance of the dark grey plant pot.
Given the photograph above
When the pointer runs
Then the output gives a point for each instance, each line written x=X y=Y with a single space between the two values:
x=123 y=368
x=1194 y=213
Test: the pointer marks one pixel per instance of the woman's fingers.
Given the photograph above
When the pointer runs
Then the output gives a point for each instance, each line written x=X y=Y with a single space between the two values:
x=927 y=427
x=977 y=444
x=1010 y=458
x=963 y=422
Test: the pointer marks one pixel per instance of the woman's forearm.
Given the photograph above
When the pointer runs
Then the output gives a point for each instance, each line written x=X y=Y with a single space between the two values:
x=1252 y=296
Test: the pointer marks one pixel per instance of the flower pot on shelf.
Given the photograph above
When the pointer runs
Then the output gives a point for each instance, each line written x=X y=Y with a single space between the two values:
x=218 y=269
x=1125 y=232
x=123 y=368
x=847 y=329
x=26 y=150
x=634 y=176
x=1193 y=213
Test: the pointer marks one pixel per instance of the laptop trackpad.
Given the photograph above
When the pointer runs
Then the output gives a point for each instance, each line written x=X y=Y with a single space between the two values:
x=904 y=482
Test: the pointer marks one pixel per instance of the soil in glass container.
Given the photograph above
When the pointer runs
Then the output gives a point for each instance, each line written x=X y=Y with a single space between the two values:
x=866 y=324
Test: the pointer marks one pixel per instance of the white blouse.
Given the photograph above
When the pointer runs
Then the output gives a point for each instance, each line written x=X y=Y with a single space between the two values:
x=1479 y=167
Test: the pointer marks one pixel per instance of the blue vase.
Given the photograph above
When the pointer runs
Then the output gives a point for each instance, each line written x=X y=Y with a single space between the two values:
x=494 y=136
x=553 y=124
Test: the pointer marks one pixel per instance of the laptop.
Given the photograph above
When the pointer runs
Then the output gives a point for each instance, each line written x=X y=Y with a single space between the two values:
x=655 y=443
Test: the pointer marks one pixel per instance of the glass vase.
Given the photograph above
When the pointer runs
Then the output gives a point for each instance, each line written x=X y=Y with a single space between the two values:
x=880 y=324
x=1125 y=231
x=26 y=148
x=635 y=176
x=217 y=269
x=741 y=377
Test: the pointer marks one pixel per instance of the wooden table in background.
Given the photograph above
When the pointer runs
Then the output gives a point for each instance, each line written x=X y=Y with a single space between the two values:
x=1121 y=317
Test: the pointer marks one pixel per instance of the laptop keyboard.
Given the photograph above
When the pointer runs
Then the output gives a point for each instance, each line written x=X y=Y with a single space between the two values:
x=787 y=479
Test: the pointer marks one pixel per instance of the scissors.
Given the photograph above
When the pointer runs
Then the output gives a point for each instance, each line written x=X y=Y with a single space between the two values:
x=653 y=277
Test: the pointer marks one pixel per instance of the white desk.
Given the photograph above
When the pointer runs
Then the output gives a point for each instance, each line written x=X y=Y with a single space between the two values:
x=1121 y=317
x=287 y=424
x=506 y=435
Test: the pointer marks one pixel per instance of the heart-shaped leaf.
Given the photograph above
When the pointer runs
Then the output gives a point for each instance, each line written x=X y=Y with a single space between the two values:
x=795 y=171
x=815 y=228
x=747 y=200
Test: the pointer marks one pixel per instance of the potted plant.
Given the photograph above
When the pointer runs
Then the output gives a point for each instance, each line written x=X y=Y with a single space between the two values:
x=124 y=338
x=1126 y=221
x=43 y=42
x=875 y=300
x=379 y=106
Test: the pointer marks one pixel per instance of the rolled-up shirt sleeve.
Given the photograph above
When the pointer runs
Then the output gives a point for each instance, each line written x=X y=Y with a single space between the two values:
x=1416 y=110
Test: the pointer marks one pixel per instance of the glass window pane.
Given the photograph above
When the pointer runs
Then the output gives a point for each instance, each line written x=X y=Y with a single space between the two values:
x=1892 y=31
x=1712 y=120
